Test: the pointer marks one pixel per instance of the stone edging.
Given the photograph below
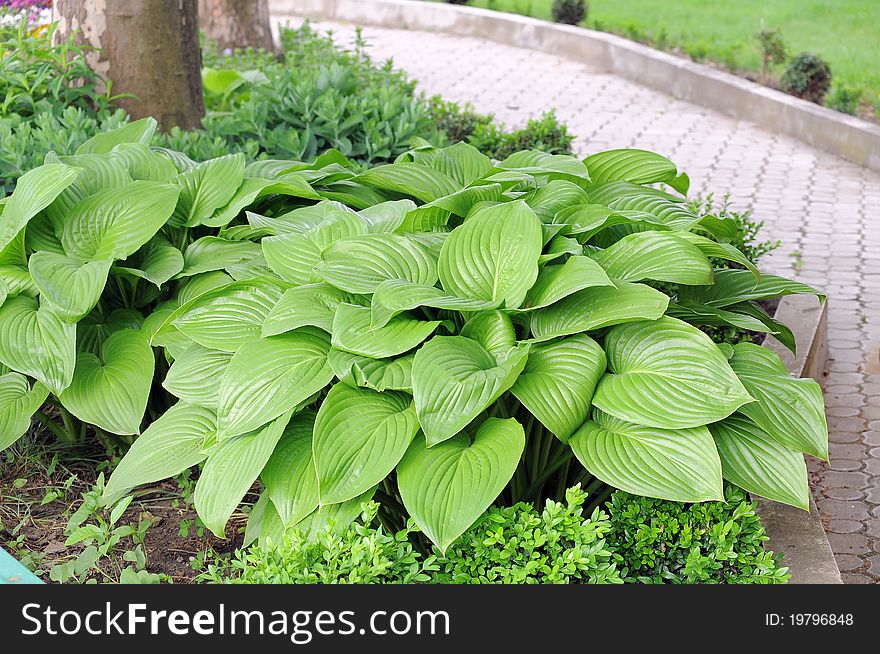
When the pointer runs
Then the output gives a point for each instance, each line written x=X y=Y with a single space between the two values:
x=840 y=134
x=799 y=535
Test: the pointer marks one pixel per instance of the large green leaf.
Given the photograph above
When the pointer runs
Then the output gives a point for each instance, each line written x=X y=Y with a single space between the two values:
x=114 y=223
x=454 y=379
x=397 y=295
x=636 y=166
x=754 y=461
x=493 y=330
x=790 y=410
x=667 y=374
x=352 y=333
x=214 y=253
x=195 y=376
x=414 y=180
x=251 y=189
x=311 y=304
x=720 y=251
x=269 y=376
x=227 y=317
x=598 y=307
x=661 y=256
x=335 y=518
x=143 y=163
x=558 y=382
x=673 y=464
x=447 y=487
x=36 y=342
x=232 y=467
x=733 y=286
x=360 y=263
x=561 y=280
x=18 y=402
x=72 y=288
x=34 y=191
x=170 y=445
x=462 y=162
x=360 y=436
x=393 y=374
x=494 y=255
x=160 y=262
x=208 y=187
x=112 y=392
x=138 y=131
x=289 y=475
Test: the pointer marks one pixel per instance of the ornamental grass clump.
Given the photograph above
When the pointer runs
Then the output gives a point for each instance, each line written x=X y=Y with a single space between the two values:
x=440 y=333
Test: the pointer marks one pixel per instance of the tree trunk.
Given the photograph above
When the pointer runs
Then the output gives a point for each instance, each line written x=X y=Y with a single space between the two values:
x=235 y=24
x=148 y=49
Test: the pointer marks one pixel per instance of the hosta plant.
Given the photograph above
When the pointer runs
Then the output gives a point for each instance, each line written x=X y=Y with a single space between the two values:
x=436 y=333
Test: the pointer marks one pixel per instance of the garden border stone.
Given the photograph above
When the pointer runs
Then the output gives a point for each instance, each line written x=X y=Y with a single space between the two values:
x=840 y=134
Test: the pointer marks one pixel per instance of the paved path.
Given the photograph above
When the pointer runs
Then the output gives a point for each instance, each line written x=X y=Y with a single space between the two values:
x=825 y=211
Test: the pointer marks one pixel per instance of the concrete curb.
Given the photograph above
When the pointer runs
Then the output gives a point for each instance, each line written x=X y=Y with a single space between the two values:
x=828 y=130
x=800 y=536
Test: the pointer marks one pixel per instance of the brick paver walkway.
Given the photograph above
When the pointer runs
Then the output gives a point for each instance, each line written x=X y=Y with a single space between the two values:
x=825 y=211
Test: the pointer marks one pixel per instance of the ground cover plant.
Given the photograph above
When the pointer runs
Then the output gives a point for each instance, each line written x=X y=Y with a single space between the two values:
x=438 y=333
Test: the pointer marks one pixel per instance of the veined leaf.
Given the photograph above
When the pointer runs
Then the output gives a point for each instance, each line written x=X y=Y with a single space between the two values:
x=447 y=487
x=493 y=256
x=559 y=281
x=335 y=518
x=493 y=330
x=598 y=307
x=138 y=131
x=213 y=253
x=232 y=467
x=360 y=436
x=18 y=402
x=36 y=342
x=681 y=465
x=289 y=475
x=206 y=188
x=70 y=287
x=733 y=286
x=462 y=162
x=397 y=295
x=269 y=376
x=143 y=163
x=251 y=189
x=667 y=374
x=352 y=333
x=669 y=212
x=454 y=379
x=170 y=445
x=161 y=262
x=636 y=166
x=661 y=256
x=414 y=180
x=378 y=374
x=720 y=251
x=386 y=217
x=195 y=376
x=311 y=304
x=558 y=382
x=547 y=201
x=759 y=464
x=360 y=263
x=789 y=410
x=112 y=392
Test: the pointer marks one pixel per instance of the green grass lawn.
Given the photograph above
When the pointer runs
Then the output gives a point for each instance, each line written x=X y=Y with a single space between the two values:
x=845 y=32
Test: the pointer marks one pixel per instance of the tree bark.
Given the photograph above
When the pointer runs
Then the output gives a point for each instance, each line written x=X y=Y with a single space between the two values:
x=233 y=24
x=148 y=49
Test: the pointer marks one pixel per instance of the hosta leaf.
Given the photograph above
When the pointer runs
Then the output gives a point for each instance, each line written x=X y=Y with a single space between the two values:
x=598 y=307
x=378 y=374
x=561 y=280
x=269 y=376
x=232 y=467
x=681 y=465
x=143 y=163
x=661 y=256
x=718 y=250
x=414 y=180
x=360 y=263
x=493 y=330
x=18 y=402
x=208 y=187
x=213 y=253
x=669 y=212
x=36 y=342
x=195 y=376
x=352 y=333
x=555 y=196
x=447 y=487
x=360 y=436
x=251 y=189
x=667 y=374
x=335 y=518
x=560 y=246
x=293 y=256
x=546 y=166
x=34 y=191
x=558 y=382
x=493 y=256
x=70 y=287
x=733 y=286
x=18 y=281
x=636 y=166
x=161 y=262
x=95 y=328
x=112 y=392
x=289 y=475
x=114 y=223
x=227 y=317
x=454 y=379
x=311 y=304
x=397 y=295
x=754 y=461
x=791 y=411
x=137 y=131
x=462 y=162
x=170 y=445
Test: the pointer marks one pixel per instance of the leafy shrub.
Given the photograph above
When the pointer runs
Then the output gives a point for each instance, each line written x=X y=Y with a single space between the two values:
x=807 y=76
x=299 y=307
x=518 y=545
x=846 y=99
x=772 y=48
x=570 y=12
x=662 y=542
